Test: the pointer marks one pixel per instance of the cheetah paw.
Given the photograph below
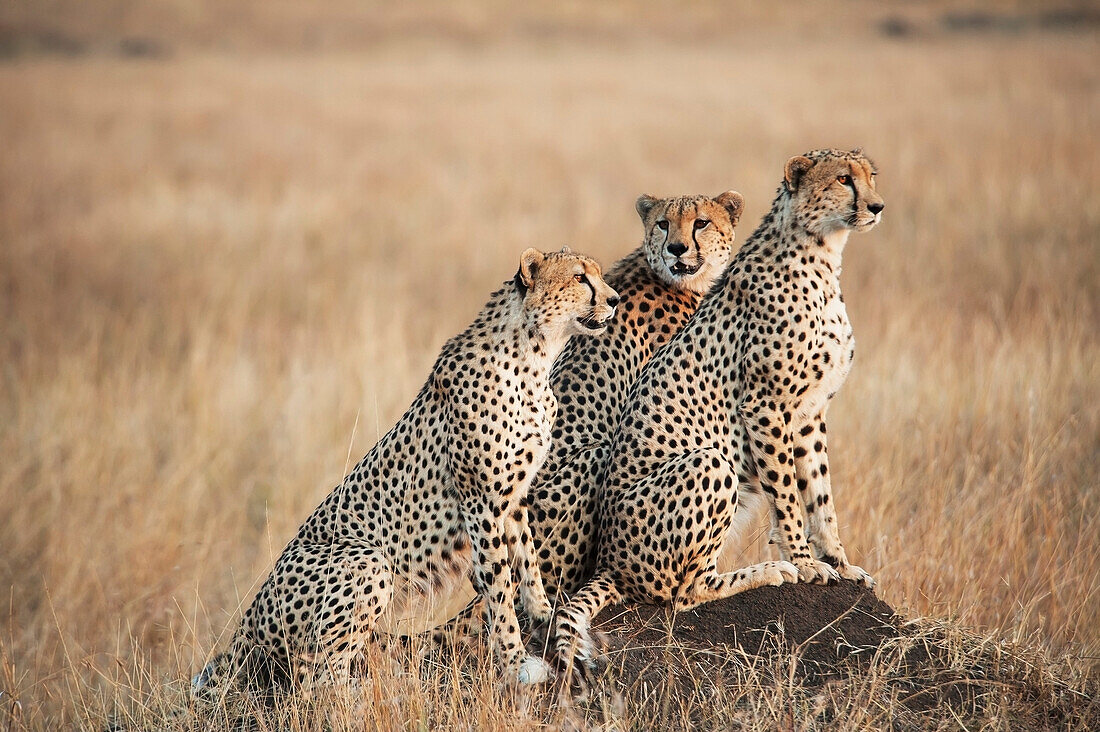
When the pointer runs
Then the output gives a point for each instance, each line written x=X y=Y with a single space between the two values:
x=539 y=615
x=856 y=574
x=781 y=572
x=533 y=671
x=813 y=571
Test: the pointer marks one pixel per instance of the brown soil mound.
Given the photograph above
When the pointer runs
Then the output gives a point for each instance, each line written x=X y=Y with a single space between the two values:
x=674 y=667
x=825 y=624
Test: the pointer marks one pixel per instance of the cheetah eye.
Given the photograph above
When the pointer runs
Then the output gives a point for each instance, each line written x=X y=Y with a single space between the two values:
x=701 y=224
x=579 y=278
x=662 y=225
x=844 y=179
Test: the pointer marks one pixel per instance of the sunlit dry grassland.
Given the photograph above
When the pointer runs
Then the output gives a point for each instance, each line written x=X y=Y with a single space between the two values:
x=225 y=269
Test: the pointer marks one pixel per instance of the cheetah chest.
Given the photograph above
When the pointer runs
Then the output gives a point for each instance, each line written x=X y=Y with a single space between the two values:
x=539 y=437
x=831 y=357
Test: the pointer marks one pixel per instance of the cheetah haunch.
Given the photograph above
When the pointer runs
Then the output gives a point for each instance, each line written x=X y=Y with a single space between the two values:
x=732 y=411
x=440 y=497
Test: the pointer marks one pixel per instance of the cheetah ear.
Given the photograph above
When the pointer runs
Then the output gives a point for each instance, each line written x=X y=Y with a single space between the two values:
x=529 y=263
x=733 y=202
x=566 y=250
x=796 y=168
x=644 y=205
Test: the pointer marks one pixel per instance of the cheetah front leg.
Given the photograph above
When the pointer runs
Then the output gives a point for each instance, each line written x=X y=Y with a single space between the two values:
x=772 y=448
x=525 y=562
x=811 y=460
x=492 y=577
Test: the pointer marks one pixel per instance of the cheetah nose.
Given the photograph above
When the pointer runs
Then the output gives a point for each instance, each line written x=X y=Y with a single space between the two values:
x=613 y=301
x=676 y=248
x=876 y=208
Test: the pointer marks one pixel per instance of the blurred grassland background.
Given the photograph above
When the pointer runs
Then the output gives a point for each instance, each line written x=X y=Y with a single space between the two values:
x=233 y=237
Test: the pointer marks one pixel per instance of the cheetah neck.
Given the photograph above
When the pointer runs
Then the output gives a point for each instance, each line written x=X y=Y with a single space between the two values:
x=781 y=236
x=542 y=342
x=512 y=334
x=531 y=335
x=830 y=247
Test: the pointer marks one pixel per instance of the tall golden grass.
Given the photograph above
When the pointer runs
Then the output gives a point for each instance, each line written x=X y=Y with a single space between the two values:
x=225 y=272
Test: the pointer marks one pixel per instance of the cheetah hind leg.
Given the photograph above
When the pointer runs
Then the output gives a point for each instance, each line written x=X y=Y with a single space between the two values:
x=704 y=473
x=565 y=567
x=212 y=687
x=326 y=625
x=732 y=514
x=211 y=676
x=713 y=585
x=738 y=514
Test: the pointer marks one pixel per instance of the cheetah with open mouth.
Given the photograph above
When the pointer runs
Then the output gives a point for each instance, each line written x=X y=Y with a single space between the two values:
x=440 y=498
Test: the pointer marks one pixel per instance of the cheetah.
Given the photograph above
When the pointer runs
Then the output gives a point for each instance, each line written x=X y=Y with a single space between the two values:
x=728 y=418
x=437 y=500
x=688 y=242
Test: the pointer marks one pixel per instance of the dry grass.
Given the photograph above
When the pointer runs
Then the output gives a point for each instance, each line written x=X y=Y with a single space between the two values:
x=225 y=270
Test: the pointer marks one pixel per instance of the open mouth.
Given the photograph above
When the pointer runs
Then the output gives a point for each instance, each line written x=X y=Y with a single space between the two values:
x=592 y=323
x=856 y=221
x=681 y=269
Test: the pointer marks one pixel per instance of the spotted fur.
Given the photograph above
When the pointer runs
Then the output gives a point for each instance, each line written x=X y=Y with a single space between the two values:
x=732 y=411
x=438 y=499
x=688 y=242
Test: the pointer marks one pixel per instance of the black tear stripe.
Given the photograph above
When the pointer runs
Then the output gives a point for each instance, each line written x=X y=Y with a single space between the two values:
x=520 y=287
x=591 y=300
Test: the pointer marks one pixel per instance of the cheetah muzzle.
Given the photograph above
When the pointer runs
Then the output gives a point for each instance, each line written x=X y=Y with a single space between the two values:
x=682 y=269
x=594 y=324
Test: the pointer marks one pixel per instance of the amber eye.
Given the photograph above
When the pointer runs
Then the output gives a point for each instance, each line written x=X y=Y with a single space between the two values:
x=579 y=278
x=662 y=225
x=701 y=224
x=844 y=179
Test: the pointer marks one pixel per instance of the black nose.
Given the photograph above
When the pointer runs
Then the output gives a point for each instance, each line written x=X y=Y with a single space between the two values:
x=676 y=248
x=876 y=208
x=613 y=301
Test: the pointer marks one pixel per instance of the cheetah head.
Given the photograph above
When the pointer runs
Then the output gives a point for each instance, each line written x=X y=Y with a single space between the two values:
x=689 y=239
x=833 y=190
x=567 y=292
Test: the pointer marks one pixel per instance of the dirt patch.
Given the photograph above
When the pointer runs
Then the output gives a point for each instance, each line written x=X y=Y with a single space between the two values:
x=825 y=647
x=826 y=626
